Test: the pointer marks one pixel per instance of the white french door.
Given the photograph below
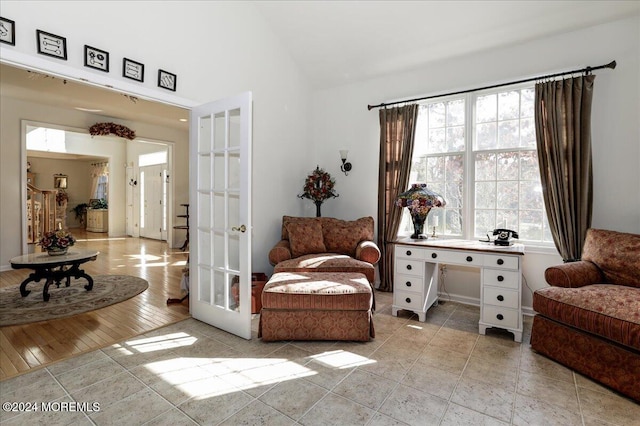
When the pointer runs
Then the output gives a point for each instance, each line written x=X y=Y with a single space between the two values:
x=220 y=182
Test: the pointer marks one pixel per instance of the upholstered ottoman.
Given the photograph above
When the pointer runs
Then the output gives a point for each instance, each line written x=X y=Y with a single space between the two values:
x=317 y=306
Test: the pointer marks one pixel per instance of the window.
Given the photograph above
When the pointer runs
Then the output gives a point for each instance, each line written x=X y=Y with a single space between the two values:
x=101 y=188
x=479 y=152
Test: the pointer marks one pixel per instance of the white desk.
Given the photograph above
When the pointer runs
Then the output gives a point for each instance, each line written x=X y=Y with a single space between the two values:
x=417 y=272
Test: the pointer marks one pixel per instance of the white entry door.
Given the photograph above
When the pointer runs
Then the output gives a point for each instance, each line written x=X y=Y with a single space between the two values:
x=220 y=182
x=152 y=201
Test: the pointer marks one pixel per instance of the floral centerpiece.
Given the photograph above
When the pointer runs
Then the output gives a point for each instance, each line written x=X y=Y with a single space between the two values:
x=318 y=186
x=104 y=129
x=419 y=201
x=61 y=197
x=57 y=242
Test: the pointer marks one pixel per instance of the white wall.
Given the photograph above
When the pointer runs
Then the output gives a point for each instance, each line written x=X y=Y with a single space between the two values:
x=217 y=49
x=340 y=119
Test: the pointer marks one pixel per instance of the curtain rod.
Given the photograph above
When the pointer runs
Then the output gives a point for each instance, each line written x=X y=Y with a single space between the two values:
x=586 y=70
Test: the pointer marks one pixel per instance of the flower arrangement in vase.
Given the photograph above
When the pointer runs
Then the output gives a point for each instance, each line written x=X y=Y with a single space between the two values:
x=318 y=186
x=419 y=201
x=57 y=242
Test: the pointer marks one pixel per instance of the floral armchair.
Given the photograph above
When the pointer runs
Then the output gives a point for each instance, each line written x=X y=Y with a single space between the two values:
x=324 y=244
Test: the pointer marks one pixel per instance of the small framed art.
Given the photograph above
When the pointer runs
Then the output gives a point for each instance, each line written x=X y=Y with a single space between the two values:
x=166 y=80
x=60 y=181
x=7 y=31
x=133 y=70
x=51 y=45
x=96 y=58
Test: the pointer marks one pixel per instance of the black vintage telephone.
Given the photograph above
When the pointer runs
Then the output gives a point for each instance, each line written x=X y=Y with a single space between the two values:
x=504 y=236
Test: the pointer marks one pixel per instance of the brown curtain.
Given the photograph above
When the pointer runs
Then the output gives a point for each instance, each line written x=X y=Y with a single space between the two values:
x=563 y=134
x=397 y=130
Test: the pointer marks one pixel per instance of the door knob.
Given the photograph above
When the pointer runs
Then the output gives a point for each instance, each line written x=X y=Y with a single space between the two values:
x=242 y=228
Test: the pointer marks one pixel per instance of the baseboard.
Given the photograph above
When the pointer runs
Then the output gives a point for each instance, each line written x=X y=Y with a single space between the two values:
x=465 y=300
x=4 y=268
x=474 y=301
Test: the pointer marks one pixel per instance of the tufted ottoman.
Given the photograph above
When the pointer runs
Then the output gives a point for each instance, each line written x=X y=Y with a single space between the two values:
x=317 y=306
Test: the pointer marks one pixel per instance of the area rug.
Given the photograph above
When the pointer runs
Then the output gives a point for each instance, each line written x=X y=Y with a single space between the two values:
x=66 y=301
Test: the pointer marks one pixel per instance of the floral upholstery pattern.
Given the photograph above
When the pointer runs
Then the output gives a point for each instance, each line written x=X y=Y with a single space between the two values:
x=616 y=254
x=317 y=306
x=326 y=262
x=589 y=319
x=305 y=238
x=343 y=236
x=349 y=246
x=318 y=291
x=610 y=311
x=612 y=365
x=573 y=274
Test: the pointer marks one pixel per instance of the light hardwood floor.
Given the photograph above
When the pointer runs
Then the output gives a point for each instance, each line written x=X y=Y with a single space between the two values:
x=28 y=347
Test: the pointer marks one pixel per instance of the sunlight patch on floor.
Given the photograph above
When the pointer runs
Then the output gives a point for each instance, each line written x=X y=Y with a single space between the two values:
x=157 y=343
x=341 y=359
x=100 y=239
x=206 y=377
x=151 y=265
x=144 y=257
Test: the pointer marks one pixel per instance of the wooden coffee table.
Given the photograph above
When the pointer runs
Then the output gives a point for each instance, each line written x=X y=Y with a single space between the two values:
x=54 y=269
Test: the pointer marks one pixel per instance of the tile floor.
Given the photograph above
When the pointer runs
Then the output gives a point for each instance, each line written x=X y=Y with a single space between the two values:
x=441 y=372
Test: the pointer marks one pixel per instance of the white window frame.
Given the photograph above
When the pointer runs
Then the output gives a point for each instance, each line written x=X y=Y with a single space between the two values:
x=469 y=182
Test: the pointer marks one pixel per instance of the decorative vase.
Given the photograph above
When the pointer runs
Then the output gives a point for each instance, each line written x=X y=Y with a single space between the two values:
x=318 y=204
x=418 y=225
x=56 y=251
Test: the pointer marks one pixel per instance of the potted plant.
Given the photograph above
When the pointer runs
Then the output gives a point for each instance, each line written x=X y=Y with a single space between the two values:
x=99 y=204
x=80 y=210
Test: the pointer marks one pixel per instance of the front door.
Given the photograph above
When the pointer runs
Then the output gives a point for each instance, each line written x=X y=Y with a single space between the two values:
x=152 y=201
x=220 y=182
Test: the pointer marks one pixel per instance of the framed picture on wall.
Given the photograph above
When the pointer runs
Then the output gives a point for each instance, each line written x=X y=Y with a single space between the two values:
x=51 y=45
x=133 y=70
x=7 y=31
x=96 y=58
x=60 y=181
x=166 y=80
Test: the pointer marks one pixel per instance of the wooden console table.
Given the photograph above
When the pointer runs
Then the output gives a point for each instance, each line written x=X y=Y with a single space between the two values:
x=417 y=273
x=54 y=269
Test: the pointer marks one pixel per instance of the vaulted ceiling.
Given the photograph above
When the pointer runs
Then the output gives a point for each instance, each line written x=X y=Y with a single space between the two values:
x=339 y=42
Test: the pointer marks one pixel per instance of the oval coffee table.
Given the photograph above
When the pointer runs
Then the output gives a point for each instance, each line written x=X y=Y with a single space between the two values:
x=54 y=269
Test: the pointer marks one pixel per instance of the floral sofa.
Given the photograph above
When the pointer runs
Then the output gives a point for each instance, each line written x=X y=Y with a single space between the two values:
x=589 y=319
x=324 y=244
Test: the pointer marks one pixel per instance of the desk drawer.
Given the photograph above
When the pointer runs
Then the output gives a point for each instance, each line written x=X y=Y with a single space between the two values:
x=410 y=283
x=455 y=257
x=501 y=261
x=410 y=267
x=500 y=317
x=407 y=300
x=409 y=252
x=500 y=278
x=500 y=297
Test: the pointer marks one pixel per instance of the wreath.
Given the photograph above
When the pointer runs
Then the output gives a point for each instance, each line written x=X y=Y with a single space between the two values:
x=104 y=129
x=318 y=186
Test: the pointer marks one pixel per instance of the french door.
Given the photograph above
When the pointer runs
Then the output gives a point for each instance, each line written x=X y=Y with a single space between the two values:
x=220 y=182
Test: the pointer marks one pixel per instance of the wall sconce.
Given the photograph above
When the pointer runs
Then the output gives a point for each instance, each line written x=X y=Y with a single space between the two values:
x=133 y=182
x=345 y=167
